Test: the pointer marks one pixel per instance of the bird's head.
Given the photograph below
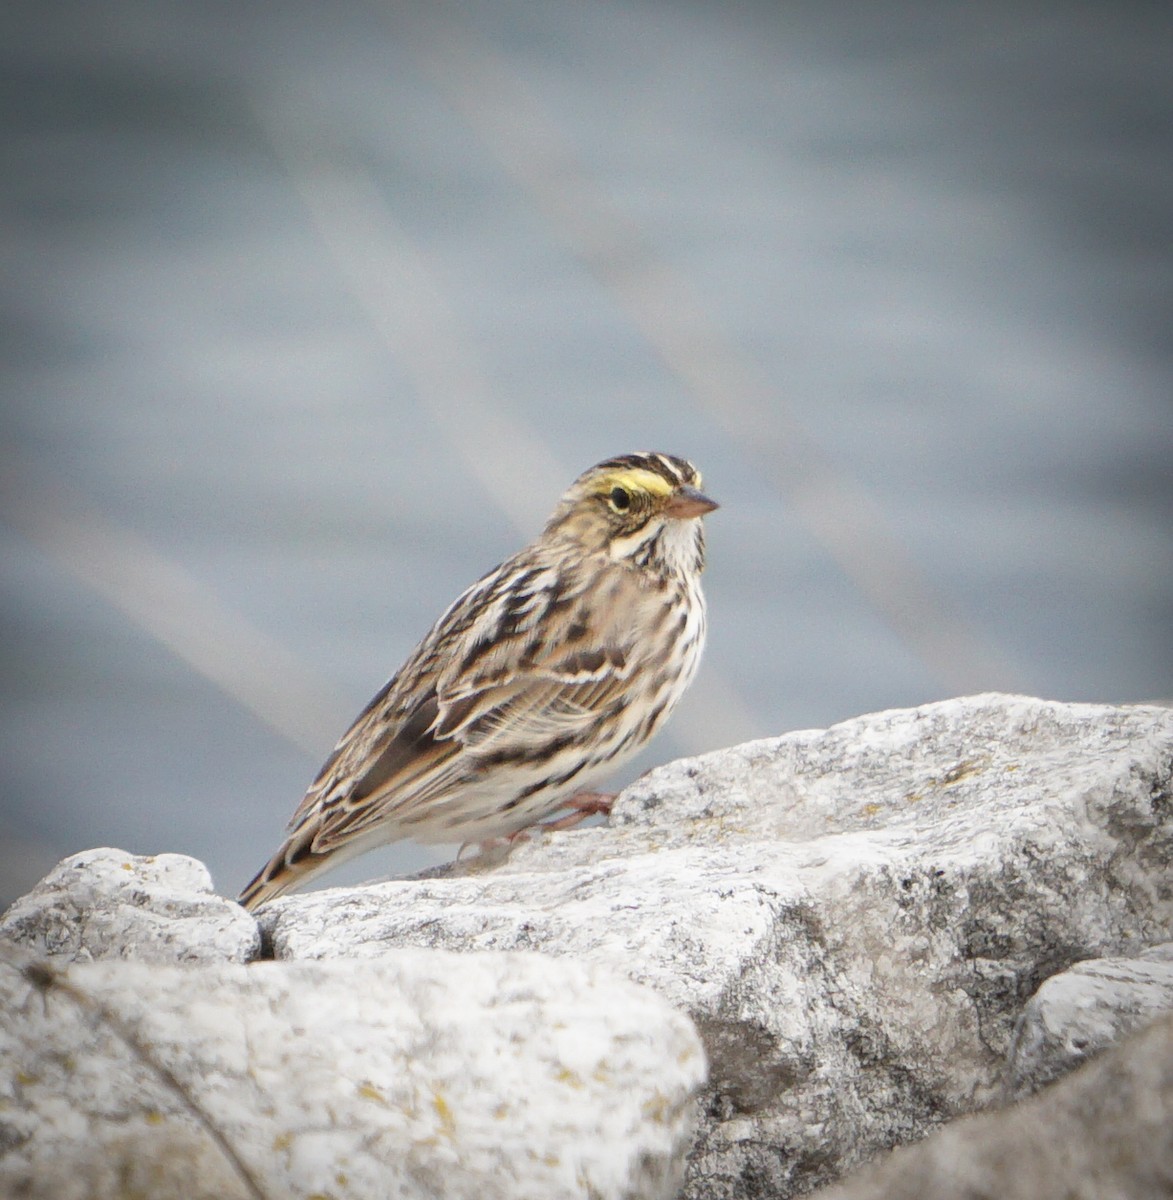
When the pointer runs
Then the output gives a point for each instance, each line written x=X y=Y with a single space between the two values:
x=645 y=508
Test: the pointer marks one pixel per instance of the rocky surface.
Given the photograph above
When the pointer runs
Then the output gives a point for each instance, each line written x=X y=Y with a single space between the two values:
x=420 y=1075
x=106 y=903
x=853 y=918
x=1081 y=1011
x=1104 y=1133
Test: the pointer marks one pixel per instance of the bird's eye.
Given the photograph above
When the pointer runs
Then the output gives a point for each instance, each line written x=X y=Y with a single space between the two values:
x=620 y=499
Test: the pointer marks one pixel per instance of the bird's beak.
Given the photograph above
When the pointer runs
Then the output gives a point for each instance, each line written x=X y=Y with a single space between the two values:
x=688 y=502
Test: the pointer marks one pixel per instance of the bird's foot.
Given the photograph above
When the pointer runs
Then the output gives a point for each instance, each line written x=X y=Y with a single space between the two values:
x=485 y=847
x=585 y=804
x=489 y=845
x=582 y=805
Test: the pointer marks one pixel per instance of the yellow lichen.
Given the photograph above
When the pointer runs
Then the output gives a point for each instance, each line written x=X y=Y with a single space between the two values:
x=963 y=770
x=368 y=1091
x=447 y=1121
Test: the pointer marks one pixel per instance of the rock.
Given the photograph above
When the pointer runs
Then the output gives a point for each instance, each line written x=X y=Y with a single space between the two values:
x=1103 y=1133
x=853 y=917
x=110 y=904
x=1082 y=1011
x=421 y=1075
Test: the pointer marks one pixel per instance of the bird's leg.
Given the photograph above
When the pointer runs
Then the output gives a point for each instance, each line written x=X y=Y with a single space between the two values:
x=495 y=843
x=584 y=804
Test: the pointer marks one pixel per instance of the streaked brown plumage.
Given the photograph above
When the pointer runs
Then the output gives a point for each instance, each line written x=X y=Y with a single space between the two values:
x=547 y=672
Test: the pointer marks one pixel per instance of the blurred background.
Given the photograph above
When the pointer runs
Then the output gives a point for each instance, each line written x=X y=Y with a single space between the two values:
x=311 y=310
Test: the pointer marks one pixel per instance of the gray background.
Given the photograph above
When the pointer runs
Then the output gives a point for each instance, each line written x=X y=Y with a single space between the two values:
x=310 y=311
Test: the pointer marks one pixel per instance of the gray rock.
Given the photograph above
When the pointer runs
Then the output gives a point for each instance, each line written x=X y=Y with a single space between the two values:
x=1103 y=1133
x=420 y=1076
x=853 y=917
x=1084 y=1010
x=109 y=904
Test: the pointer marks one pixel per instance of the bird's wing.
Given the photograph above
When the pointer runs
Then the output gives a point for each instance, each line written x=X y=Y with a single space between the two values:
x=488 y=693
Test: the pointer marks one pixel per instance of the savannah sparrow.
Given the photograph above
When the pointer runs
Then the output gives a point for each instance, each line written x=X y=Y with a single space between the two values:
x=553 y=668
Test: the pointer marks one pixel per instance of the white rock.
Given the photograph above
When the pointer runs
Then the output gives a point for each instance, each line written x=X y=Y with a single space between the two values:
x=109 y=904
x=422 y=1075
x=1084 y=1010
x=854 y=917
x=1103 y=1133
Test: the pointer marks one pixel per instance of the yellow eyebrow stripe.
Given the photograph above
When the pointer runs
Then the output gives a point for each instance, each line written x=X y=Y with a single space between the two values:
x=637 y=480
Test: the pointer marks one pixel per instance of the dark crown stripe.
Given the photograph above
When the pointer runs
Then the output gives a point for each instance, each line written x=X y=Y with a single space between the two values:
x=674 y=470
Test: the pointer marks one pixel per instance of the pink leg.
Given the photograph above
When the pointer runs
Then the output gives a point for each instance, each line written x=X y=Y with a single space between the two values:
x=585 y=804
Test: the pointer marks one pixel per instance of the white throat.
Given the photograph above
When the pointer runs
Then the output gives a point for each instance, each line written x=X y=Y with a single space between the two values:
x=675 y=545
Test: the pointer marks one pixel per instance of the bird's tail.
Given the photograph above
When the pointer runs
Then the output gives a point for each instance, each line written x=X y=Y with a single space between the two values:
x=293 y=865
